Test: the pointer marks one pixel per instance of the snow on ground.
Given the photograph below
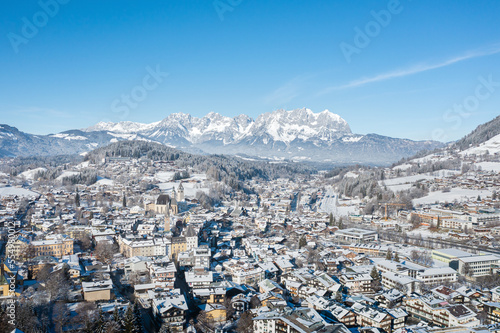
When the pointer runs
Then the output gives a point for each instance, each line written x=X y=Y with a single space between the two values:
x=30 y=174
x=66 y=136
x=198 y=176
x=190 y=189
x=439 y=157
x=399 y=187
x=460 y=194
x=426 y=158
x=351 y=175
x=105 y=181
x=22 y=192
x=329 y=204
x=489 y=166
x=67 y=174
x=426 y=233
x=301 y=158
x=405 y=180
x=83 y=165
x=165 y=176
x=415 y=178
x=246 y=158
x=444 y=173
x=403 y=167
x=491 y=146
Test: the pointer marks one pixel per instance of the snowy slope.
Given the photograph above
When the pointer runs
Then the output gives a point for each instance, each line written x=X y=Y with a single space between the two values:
x=491 y=147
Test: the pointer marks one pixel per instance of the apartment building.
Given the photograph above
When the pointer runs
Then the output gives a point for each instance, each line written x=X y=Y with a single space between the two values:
x=441 y=313
x=56 y=247
x=437 y=275
x=476 y=266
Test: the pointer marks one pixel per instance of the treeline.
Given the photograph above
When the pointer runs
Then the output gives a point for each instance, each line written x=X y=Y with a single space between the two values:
x=86 y=176
x=342 y=170
x=366 y=186
x=227 y=169
x=481 y=134
x=431 y=166
x=15 y=166
x=135 y=149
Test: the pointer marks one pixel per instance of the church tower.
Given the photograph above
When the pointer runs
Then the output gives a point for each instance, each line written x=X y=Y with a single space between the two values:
x=180 y=193
x=166 y=227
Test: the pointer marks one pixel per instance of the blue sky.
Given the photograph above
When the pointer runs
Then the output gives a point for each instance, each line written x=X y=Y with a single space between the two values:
x=418 y=72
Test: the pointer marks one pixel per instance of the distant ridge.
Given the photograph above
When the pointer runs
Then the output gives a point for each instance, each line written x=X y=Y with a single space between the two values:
x=298 y=135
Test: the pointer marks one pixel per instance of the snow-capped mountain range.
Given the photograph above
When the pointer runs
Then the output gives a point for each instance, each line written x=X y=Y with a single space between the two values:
x=279 y=126
x=299 y=134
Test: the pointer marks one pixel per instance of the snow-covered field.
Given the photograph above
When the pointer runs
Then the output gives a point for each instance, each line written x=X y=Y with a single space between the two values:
x=82 y=165
x=329 y=205
x=351 y=174
x=405 y=180
x=403 y=166
x=408 y=180
x=431 y=157
x=444 y=173
x=105 y=181
x=425 y=233
x=8 y=191
x=489 y=166
x=30 y=174
x=491 y=146
x=399 y=187
x=190 y=189
x=455 y=193
x=165 y=176
x=198 y=176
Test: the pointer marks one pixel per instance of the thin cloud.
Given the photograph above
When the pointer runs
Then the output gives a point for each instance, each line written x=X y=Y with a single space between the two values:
x=413 y=70
x=288 y=91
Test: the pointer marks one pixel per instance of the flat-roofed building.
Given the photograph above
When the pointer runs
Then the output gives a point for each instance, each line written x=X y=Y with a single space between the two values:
x=437 y=275
x=447 y=255
x=403 y=283
x=476 y=266
x=356 y=235
x=97 y=291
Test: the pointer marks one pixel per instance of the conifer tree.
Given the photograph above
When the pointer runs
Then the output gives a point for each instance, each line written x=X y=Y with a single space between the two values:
x=128 y=321
x=375 y=274
x=116 y=315
x=137 y=317
x=302 y=242
x=389 y=254
x=77 y=199
x=99 y=326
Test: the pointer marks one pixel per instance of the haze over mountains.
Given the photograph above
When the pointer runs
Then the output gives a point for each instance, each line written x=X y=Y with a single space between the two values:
x=299 y=135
